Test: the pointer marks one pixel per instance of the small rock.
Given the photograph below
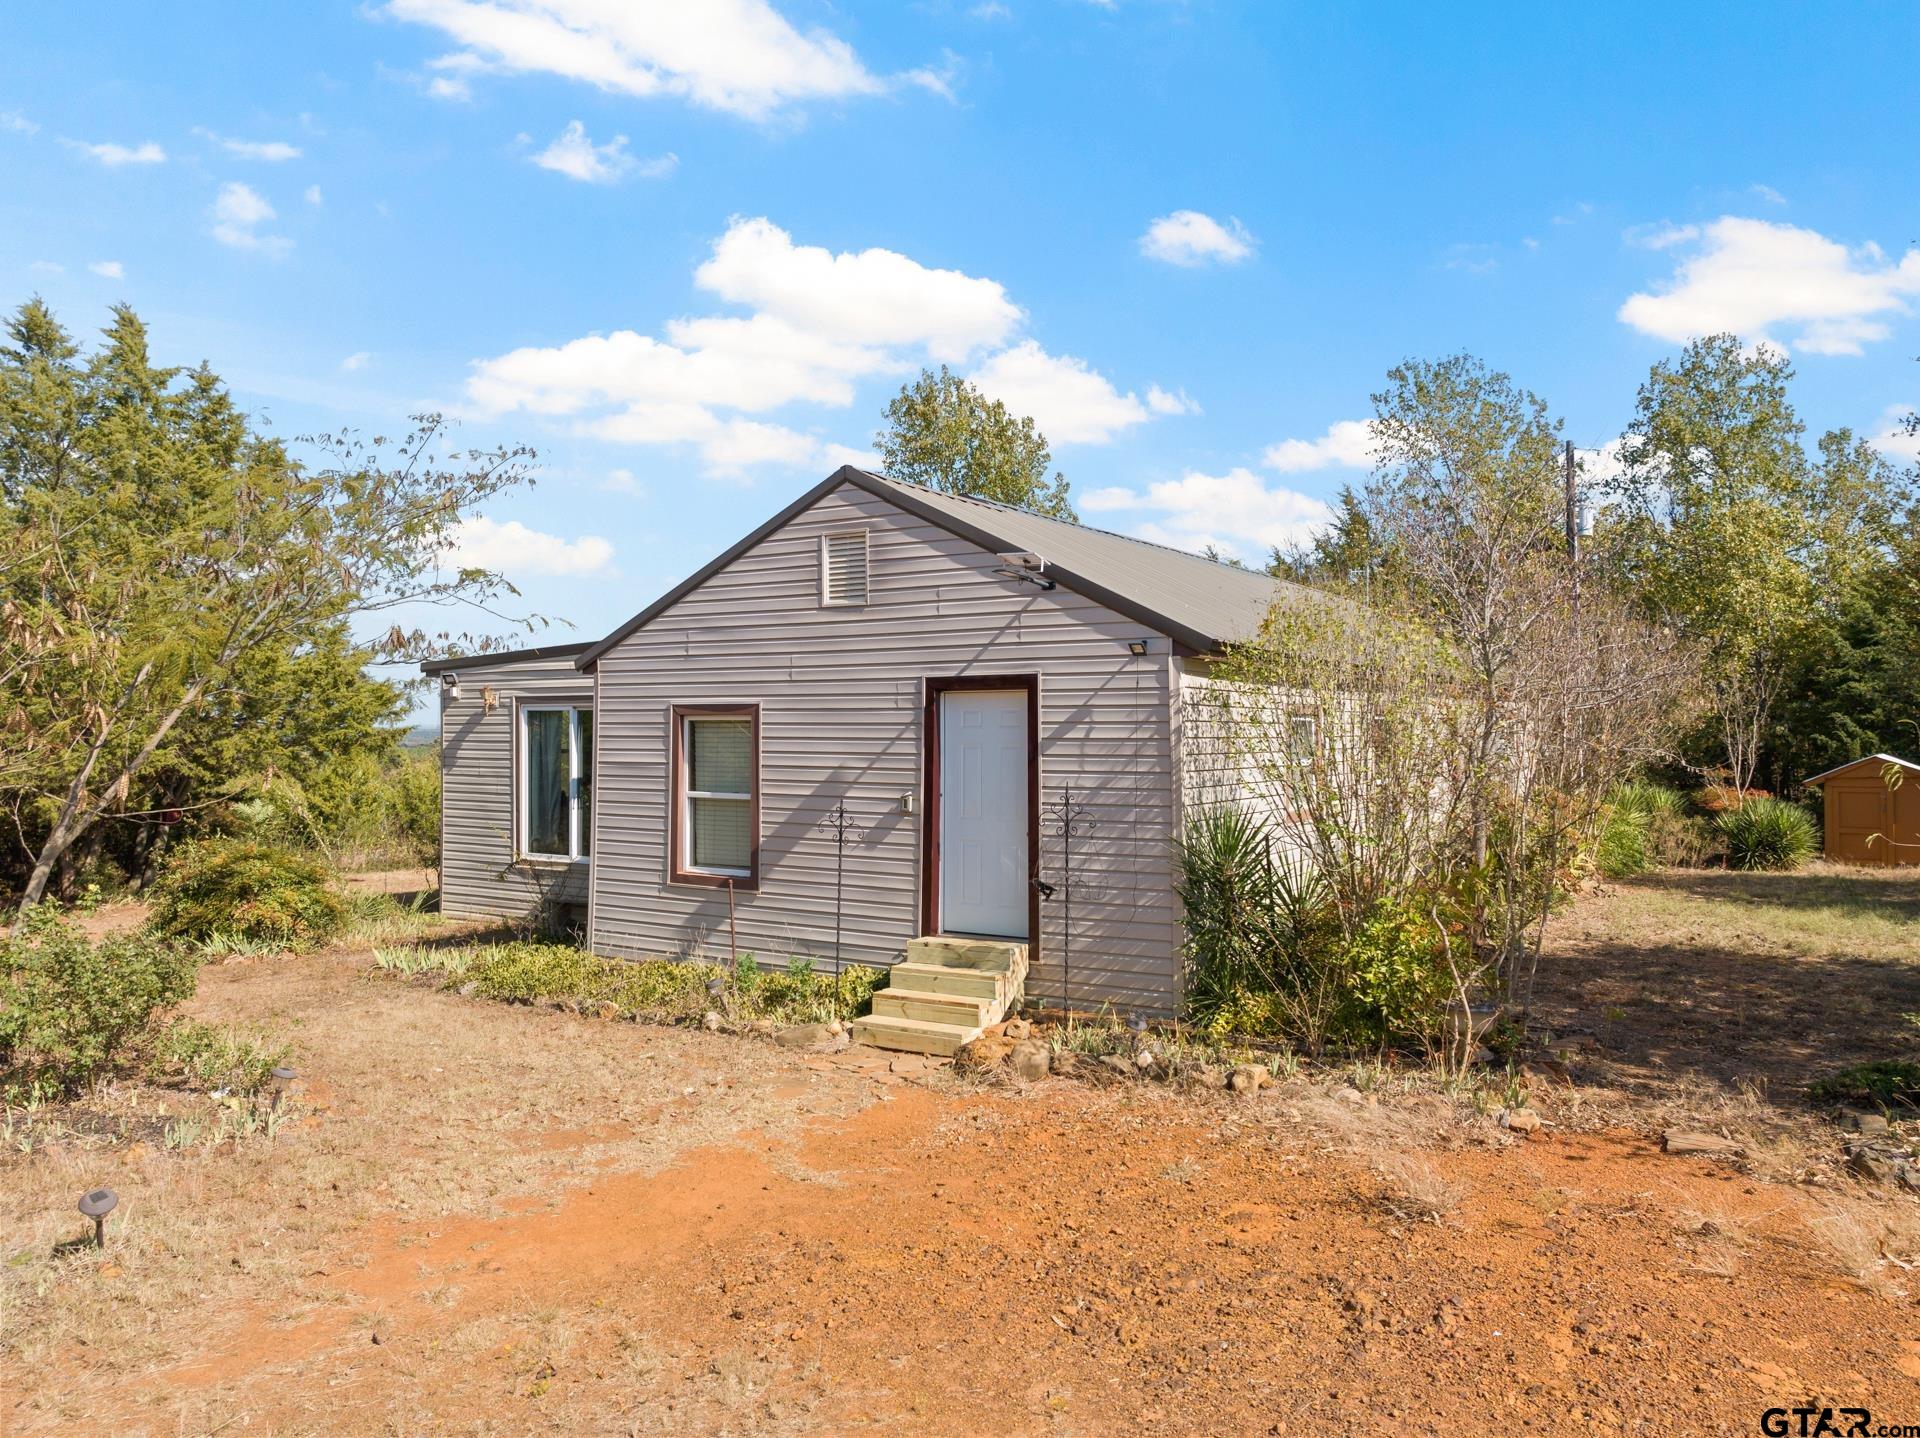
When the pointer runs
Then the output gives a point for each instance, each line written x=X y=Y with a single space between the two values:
x=1210 y=1076
x=1249 y=1078
x=1350 y=1094
x=710 y=1021
x=1123 y=1067
x=1018 y=1029
x=1871 y=1125
x=1521 y=1120
x=1145 y=1062
x=802 y=1036
x=1878 y=1166
x=985 y=1052
x=763 y=1026
x=1483 y=1057
x=836 y=1028
x=1687 y=1141
x=1030 y=1061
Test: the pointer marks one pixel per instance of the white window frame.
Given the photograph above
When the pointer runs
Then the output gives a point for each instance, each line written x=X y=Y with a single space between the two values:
x=686 y=717
x=827 y=601
x=573 y=710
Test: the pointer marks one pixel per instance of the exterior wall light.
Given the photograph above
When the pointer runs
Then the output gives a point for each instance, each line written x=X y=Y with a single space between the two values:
x=1136 y=646
x=450 y=687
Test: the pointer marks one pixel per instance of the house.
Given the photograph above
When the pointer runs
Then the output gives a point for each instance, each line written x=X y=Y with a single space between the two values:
x=886 y=715
x=1871 y=810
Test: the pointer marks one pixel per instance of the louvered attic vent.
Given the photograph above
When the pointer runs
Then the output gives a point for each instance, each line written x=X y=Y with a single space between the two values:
x=843 y=568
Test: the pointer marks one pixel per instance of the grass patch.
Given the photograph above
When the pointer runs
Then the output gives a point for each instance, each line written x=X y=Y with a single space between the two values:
x=199 y=1055
x=656 y=990
x=1885 y=1083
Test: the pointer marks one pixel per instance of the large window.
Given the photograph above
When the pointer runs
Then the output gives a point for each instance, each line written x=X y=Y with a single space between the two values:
x=716 y=795
x=556 y=781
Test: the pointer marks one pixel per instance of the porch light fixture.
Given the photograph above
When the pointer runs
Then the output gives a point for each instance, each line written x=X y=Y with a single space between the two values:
x=450 y=686
x=96 y=1204
x=1136 y=646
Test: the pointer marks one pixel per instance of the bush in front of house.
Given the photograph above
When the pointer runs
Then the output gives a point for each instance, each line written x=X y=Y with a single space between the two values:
x=73 y=1011
x=1767 y=834
x=656 y=990
x=1270 y=956
x=239 y=890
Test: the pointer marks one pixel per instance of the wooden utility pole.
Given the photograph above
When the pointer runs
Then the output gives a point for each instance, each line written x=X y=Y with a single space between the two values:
x=1573 y=510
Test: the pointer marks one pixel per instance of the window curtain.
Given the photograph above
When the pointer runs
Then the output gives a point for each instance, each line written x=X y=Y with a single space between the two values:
x=548 y=771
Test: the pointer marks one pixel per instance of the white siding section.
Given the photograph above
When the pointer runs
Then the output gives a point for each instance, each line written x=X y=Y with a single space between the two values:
x=477 y=789
x=841 y=691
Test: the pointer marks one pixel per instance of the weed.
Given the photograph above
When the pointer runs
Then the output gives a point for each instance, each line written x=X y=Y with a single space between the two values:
x=206 y=1056
x=1885 y=1083
x=1416 y=1188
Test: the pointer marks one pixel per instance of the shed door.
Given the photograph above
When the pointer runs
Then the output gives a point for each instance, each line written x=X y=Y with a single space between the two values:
x=1857 y=818
x=983 y=812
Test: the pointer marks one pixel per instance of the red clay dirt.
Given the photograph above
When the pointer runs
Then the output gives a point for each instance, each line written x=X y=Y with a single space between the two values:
x=1069 y=1260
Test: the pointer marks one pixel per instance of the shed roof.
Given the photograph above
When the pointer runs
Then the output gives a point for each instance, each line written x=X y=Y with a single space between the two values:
x=1880 y=759
x=1198 y=601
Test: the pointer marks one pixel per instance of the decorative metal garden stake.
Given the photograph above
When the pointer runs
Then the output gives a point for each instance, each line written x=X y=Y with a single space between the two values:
x=281 y=1078
x=96 y=1204
x=1071 y=817
x=838 y=823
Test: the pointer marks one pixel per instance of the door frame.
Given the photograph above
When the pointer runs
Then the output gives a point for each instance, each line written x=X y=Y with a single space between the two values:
x=930 y=830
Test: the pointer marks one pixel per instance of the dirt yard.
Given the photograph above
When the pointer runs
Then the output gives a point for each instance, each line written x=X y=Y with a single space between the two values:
x=490 y=1220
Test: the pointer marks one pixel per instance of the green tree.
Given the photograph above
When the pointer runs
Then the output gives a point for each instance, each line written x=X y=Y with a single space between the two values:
x=1345 y=555
x=1730 y=530
x=945 y=434
x=157 y=548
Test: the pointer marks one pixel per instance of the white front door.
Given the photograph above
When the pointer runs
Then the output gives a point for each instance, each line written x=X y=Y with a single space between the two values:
x=983 y=812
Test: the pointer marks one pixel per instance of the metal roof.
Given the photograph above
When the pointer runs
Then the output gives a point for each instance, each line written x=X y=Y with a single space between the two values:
x=1199 y=602
x=1880 y=759
x=489 y=658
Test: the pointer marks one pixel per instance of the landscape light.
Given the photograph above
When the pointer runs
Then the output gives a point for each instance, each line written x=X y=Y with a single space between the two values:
x=281 y=1078
x=1137 y=1022
x=96 y=1204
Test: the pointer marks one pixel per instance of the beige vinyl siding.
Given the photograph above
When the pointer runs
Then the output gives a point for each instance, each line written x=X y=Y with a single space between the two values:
x=841 y=695
x=477 y=799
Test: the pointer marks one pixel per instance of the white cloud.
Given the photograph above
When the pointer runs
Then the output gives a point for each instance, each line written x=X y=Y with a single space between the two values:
x=1768 y=193
x=874 y=297
x=1237 y=513
x=1894 y=439
x=47 y=267
x=942 y=79
x=1069 y=401
x=1162 y=401
x=1602 y=466
x=817 y=324
x=1749 y=277
x=238 y=212
x=359 y=359
x=272 y=151
x=313 y=195
x=991 y=10
x=574 y=155
x=1187 y=237
x=17 y=123
x=109 y=269
x=1347 y=444
x=740 y=56
x=114 y=155
x=621 y=481
x=513 y=549
x=449 y=87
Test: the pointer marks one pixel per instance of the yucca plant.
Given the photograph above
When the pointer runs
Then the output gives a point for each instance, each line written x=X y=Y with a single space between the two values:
x=1767 y=834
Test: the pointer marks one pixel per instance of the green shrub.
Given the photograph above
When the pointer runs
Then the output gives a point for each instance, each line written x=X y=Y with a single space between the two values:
x=72 y=1010
x=208 y=1056
x=660 y=990
x=1228 y=889
x=1399 y=978
x=246 y=891
x=1767 y=834
x=1646 y=826
x=1884 y=1083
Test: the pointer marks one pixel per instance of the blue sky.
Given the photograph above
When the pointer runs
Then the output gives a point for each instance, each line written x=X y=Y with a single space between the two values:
x=687 y=252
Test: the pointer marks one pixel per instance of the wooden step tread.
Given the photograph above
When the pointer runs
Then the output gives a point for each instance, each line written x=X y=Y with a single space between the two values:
x=914 y=1035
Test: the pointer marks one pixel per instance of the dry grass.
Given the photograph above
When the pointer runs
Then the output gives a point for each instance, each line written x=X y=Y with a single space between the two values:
x=412 y=1106
x=1863 y=1245
x=1416 y=1188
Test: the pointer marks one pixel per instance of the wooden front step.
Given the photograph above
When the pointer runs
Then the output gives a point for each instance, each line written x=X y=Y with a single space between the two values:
x=935 y=1008
x=913 y=1035
x=944 y=993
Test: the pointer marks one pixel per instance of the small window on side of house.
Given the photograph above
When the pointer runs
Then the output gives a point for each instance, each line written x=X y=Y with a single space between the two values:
x=555 y=800
x=843 y=569
x=1303 y=736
